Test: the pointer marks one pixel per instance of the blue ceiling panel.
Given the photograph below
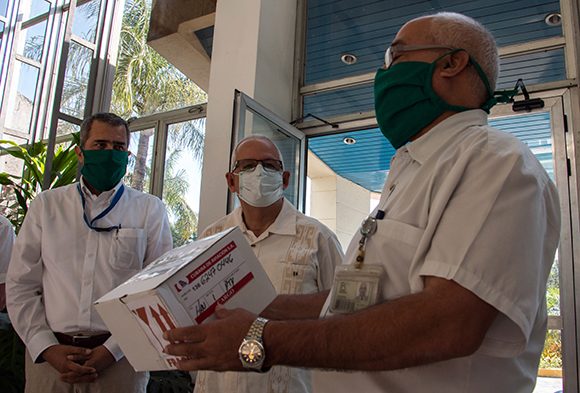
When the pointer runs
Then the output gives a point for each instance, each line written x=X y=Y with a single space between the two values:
x=533 y=68
x=337 y=102
x=367 y=162
x=539 y=67
x=365 y=28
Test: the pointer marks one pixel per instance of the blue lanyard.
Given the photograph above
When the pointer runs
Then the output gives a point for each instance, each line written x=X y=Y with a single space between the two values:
x=104 y=212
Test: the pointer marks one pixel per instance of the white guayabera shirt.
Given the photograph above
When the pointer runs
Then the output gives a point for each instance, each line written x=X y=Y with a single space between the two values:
x=299 y=255
x=59 y=266
x=472 y=204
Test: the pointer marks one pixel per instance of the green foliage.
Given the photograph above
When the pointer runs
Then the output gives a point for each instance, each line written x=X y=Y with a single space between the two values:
x=22 y=189
x=552 y=354
x=145 y=83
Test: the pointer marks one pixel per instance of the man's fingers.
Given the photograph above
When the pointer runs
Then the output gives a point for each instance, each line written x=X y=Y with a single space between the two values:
x=183 y=350
x=80 y=369
x=185 y=334
x=78 y=358
x=221 y=312
x=72 y=377
x=72 y=350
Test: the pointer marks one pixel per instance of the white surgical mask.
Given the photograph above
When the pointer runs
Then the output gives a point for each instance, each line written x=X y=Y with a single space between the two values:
x=260 y=188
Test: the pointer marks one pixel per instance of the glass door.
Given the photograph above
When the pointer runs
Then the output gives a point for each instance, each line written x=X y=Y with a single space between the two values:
x=543 y=131
x=252 y=118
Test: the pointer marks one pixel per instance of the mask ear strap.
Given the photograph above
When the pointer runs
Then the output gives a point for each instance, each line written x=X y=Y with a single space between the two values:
x=501 y=96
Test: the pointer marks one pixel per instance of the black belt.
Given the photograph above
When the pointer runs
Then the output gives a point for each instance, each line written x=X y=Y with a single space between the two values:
x=85 y=339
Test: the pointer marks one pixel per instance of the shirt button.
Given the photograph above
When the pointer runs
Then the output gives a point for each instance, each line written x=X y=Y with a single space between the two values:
x=252 y=245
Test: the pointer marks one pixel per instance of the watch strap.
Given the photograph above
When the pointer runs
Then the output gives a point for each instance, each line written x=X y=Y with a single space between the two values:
x=257 y=329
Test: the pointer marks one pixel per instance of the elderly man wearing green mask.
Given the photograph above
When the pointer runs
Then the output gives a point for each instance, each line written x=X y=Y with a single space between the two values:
x=77 y=243
x=454 y=259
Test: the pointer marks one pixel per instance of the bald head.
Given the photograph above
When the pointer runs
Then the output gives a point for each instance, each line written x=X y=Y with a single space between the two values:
x=455 y=30
x=254 y=145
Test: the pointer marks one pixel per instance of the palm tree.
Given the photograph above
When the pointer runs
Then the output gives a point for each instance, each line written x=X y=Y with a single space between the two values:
x=145 y=83
x=175 y=187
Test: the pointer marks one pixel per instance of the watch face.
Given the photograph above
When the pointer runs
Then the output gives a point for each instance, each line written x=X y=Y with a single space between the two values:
x=252 y=352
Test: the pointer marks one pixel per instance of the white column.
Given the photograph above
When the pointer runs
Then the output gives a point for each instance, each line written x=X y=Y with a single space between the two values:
x=253 y=51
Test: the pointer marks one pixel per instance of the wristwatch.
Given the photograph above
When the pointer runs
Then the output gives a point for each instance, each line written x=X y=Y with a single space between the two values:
x=251 y=351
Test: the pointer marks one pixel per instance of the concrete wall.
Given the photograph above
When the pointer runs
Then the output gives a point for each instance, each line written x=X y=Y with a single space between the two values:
x=338 y=203
x=172 y=30
x=253 y=51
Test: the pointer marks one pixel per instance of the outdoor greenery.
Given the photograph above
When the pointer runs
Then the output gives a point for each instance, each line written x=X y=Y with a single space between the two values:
x=145 y=83
x=18 y=191
x=552 y=354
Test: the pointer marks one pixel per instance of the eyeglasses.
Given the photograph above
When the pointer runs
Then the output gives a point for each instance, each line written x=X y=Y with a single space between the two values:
x=394 y=51
x=249 y=165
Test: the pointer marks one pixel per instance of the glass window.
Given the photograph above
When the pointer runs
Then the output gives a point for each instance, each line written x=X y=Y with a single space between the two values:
x=33 y=8
x=3 y=7
x=86 y=18
x=1 y=33
x=65 y=128
x=32 y=43
x=8 y=163
x=139 y=169
x=76 y=82
x=21 y=96
x=182 y=178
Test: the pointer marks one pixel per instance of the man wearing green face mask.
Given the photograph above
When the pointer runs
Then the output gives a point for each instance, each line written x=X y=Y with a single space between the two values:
x=77 y=243
x=465 y=234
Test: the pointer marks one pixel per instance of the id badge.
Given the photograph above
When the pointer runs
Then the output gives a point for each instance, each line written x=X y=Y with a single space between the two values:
x=355 y=289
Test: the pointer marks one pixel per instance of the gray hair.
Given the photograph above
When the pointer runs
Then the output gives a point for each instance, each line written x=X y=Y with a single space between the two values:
x=108 y=118
x=250 y=138
x=460 y=31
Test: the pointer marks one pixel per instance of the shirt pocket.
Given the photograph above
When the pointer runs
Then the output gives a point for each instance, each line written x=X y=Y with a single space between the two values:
x=298 y=278
x=128 y=249
x=394 y=245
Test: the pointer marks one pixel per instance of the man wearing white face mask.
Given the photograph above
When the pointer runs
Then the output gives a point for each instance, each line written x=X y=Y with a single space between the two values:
x=298 y=252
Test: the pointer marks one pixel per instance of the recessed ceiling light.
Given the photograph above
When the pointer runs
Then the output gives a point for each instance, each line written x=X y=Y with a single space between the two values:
x=553 y=19
x=349 y=140
x=348 y=58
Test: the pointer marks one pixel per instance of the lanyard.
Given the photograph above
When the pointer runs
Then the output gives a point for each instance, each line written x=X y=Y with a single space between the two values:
x=104 y=212
x=367 y=229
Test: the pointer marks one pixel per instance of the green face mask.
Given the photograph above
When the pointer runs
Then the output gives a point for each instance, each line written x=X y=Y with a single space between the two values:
x=103 y=169
x=405 y=101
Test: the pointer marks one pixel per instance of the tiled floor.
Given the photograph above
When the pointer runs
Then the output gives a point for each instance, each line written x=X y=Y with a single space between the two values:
x=548 y=385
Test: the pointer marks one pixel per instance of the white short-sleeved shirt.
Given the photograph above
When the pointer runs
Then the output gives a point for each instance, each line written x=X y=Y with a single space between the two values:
x=60 y=266
x=299 y=255
x=472 y=204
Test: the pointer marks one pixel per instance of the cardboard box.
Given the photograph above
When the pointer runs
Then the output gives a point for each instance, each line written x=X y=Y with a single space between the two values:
x=183 y=288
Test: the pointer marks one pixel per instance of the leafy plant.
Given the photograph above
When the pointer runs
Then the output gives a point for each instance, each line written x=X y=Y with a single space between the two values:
x=24 y=188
